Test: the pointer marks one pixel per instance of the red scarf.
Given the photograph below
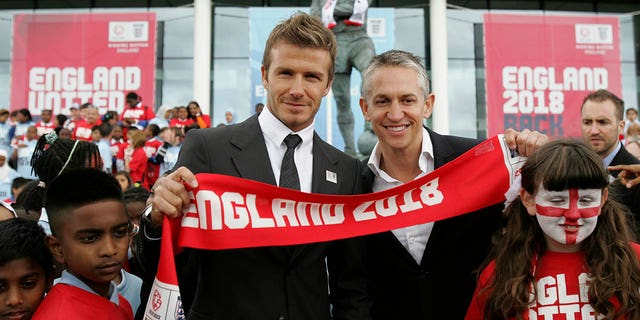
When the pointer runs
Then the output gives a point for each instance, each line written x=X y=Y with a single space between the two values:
x=228 y=212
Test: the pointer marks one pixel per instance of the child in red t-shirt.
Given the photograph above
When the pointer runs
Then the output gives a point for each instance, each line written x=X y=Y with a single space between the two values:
x=182 y=120
x=136 y=164
x=566 y=251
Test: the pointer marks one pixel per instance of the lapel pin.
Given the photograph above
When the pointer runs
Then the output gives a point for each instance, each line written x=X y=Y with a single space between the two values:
x=331 y=176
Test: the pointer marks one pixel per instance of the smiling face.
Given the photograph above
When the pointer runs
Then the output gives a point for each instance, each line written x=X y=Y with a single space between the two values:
x=22 y=286
x=296 y=80
x=91 y=115
x=566 y=217
x=183 y=113
x=194 y=110
x=92 y=242
x=396 y=106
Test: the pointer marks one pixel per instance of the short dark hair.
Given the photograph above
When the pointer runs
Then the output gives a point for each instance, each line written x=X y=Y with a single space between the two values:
x=77 y=188
x=61 y=119
x=305 y=31
x=604 y=95
x=132 y=96
x=135 y=193
x=105 y=129
x=19 y=182
x=154 y=128
x=24 y=239
x=25 y=112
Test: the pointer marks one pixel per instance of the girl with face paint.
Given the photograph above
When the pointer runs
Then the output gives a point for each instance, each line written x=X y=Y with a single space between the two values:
x=567 y=250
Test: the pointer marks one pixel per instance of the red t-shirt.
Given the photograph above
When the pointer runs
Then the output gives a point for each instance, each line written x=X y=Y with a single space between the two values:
x=139 y=113
x=562 y=281
x=45 y=128
x=151 y=147
x=177 y=122
x=83 y=130
x=67 y=302
x=138 y=165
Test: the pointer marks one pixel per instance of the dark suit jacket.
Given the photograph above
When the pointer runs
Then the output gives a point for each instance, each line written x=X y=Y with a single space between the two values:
x=628 y=197
x=271 y=282
x=441 y=286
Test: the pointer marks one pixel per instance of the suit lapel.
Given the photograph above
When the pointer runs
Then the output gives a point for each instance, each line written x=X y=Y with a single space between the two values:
x=622 y=157
x=252 y=159
x=326 y=177
x=442 y=150
x=442 y=153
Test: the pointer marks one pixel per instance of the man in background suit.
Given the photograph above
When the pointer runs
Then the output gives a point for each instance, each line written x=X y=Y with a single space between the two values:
x=602 y=114
x=287 y=282
x=424 y=271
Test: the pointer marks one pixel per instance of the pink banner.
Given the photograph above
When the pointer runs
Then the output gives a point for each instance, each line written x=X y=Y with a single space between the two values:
x=540 y=67
x=228 y=212
x=61 y=59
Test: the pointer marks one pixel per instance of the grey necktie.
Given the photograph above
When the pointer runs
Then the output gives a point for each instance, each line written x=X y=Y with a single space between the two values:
x=288 y=171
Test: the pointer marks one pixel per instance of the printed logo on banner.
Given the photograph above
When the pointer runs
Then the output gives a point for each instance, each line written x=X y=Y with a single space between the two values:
x=156 y=303
x=164 y=303
x=128 y=31
x=594 y=33
x=594 y=39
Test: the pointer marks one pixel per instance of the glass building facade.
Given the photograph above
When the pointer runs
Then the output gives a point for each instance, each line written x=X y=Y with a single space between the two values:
x=231 y=67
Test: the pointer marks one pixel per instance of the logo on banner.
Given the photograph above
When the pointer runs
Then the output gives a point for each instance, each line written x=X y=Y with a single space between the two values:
x=164 y=303
x=128 y=31
x=594 y=33
x=157 y=300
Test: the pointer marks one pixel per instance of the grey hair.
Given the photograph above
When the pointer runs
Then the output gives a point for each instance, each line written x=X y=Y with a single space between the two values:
x=395 y=58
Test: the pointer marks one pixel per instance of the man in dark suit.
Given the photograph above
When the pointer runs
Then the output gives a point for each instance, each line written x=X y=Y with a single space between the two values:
x=424 y=271
x=287 y=282
x=602 y=114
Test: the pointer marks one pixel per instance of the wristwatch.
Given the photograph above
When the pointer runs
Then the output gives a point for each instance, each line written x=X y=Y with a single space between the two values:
x=151 y=229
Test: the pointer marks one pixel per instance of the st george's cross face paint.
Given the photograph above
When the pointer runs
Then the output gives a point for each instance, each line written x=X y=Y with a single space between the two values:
x=569 y=216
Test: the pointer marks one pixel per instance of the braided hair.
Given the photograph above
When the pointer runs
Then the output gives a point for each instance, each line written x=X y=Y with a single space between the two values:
x=53 y=155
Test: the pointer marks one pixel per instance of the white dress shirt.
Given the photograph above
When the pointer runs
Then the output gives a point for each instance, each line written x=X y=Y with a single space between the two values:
x=274 y=132
x=413 y=238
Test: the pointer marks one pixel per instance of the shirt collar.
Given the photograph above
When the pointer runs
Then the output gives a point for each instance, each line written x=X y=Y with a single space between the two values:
x=425 y=155
x=274 y=130
x=609 y=158
x=70 y=279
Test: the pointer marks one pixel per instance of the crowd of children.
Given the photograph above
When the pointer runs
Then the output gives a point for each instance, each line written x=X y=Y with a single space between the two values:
x=64 y=232
x=565 y=251
x=131 y=142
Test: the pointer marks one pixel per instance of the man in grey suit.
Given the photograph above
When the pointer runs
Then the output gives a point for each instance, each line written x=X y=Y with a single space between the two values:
x=286 y=282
